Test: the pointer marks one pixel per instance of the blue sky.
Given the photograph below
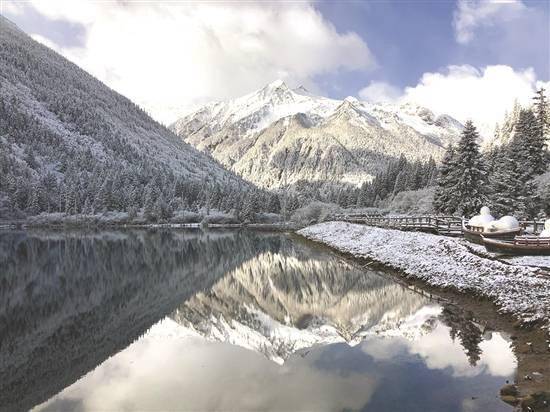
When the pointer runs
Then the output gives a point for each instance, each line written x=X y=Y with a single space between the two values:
x=172 y=56
x=410 y=38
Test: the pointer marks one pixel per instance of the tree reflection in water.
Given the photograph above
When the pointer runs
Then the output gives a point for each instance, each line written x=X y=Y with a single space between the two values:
x=71 y=299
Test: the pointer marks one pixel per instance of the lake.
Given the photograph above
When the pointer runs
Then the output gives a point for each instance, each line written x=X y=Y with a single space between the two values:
x=155 y=320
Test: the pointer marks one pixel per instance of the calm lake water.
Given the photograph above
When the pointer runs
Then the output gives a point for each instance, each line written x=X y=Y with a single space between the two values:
x=228 y=320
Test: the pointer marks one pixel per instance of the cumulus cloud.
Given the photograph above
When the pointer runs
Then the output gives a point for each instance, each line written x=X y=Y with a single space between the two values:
x=377 y=92
x=466 y=92
x=483 y=95
x=440 y=352
x=184 y=372
x=471 y=15
x=170 y=56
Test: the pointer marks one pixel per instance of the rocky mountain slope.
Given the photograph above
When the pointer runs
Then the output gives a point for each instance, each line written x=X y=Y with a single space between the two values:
x=277 y=135
x=296 y=300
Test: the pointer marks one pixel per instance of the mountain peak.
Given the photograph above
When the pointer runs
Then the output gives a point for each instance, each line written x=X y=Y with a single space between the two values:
x=277 y=83
x=301 y=90
x=277 y=92
x=349 y=103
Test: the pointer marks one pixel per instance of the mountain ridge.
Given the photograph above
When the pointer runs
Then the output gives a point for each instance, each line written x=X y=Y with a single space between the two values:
x=250 y=135
x=69 y=143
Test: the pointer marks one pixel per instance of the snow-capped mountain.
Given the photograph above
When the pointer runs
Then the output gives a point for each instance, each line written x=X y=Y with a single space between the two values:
x=295 y=302
x=312 y=138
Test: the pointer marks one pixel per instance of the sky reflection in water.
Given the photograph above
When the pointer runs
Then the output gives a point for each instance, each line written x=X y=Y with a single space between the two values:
x=255 y=321
x=171 y=368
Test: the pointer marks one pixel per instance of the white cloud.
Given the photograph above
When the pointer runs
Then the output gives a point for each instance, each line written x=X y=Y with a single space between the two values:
x=7 y=7
x=196 y=375
x=169 y=56
x=440 y=352
x=471 y=15
x=482 y=96
x=46 y=42
x=465 y=92
x=377 y=92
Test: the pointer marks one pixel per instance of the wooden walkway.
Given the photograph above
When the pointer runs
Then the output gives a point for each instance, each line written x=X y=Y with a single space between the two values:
x=441 y=225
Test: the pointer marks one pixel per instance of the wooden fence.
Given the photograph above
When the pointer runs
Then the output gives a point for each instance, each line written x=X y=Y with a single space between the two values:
x=442 y=225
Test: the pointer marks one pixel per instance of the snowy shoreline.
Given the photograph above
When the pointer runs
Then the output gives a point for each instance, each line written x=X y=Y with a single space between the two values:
x=443 y=262
x=121 y=225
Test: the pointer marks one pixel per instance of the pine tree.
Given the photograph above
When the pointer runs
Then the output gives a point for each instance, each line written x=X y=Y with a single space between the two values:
x=541 y=110
x=87 y=208
x=507 y=131
x=103 y=199
x=400 y=182
x=249 y=207
x=470 y=172
x=274 y=205
x=514 y=167
x=33 y=203
x=444 y=197
x=505 y=183
x=542 y=126
x=149 y=203
x=530 y=146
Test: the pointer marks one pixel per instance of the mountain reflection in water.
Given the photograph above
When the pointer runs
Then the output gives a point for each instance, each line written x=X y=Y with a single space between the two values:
x=220 y=320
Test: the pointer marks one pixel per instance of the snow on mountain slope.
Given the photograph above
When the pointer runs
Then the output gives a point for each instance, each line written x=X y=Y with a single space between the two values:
x=295 y=302
x=57 y=119
x=311 y=137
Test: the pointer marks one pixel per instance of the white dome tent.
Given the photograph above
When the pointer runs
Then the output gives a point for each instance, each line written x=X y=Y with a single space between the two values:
x=504 y=223
x=484 y=226
x=482 y=219
x=546 y=231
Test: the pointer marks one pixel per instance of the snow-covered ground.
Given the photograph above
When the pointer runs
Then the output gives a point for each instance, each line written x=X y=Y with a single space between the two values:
x=517 y=289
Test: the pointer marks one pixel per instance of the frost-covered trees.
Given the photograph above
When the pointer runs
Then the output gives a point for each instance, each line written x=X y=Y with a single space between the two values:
x=530 y=146
x=505 y=132
x=462 y=184
x=542 y=113
x=515 y=166
x=505 y=183
x=445 y=196
x=70 y=144
x=465 y=187
x=400 y=175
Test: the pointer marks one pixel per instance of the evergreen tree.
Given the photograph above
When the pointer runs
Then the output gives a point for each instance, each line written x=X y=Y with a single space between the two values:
x=33 y=203
x=507 y=131
x=514 y=167
x=542 y=114
x=541 y=110
x=274 y=205
x=400 y=182
x=505 y=183
x=444 y=197
x=102 y=201
x=529 y=145
x=249 y=207
x=470 y=172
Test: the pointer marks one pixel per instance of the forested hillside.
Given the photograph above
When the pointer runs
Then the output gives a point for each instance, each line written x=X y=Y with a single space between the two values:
x=511 y=177
x=70 y=144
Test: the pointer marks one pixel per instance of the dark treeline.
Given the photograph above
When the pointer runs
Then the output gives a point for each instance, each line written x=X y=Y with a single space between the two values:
x=503 y=178
x=398 y=175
